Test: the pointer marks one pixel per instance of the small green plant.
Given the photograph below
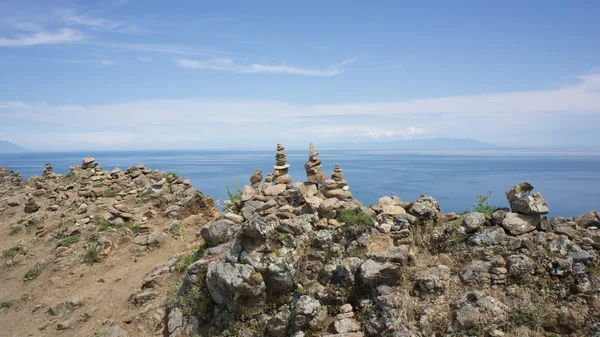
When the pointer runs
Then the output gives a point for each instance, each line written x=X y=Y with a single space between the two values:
x=483 y=204
x=69 y=240
x=70 y=175
x=184 y=261
x=92 y=253
x=9 y=253
x=98 y=185
x=111 y=192
x=133 y=226
x=20 y=221
x=355 y=217
x=532 y=316
x=102 y=224
x=15 y=229
x=32 y=273
x=172 y=175
x=5 y=305
x=238 y=192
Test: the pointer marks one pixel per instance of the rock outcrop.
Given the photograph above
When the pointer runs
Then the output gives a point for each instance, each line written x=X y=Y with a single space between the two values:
x=396 y=268
x=298 y=259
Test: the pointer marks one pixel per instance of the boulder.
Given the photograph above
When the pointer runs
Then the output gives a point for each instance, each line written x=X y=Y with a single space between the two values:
x=530 y=204
x=218 y=232
x=237 y=286
x=373 y=273
x=275 y=189
x=425 y=207
x=518 y=191
x=517 y=224
x=434 y=280
x=473 y=221
x=307 y=313
x=328 y=208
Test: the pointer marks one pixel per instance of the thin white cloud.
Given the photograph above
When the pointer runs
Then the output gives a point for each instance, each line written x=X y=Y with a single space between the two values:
x=545 y=117
x=85 y=20
x=228 y=64
x=61 y=36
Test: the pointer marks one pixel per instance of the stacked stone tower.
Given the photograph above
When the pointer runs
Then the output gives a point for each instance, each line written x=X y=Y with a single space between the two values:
x=281 y=168
x=313 y=167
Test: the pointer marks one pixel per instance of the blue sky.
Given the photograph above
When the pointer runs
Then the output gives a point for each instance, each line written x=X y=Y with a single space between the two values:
x=188 y=74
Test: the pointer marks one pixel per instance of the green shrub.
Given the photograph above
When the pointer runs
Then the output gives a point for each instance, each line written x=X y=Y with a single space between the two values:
x=92 y=253
x=532 y=316
x=355 y=217
x=184 y=261
x=15 y=229
x=98 y=185
x=483 y=204
x=5 y=305
x=70 y=175
x=238 y=192
x=111 y=192
x=172 y=175
x=69 y=240
x=9 y=253
x=133 y=226
x=102 y=224
x=32 y=273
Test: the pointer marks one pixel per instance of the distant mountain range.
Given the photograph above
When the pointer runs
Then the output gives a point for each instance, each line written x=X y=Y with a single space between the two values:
x=434 y=143
x=8 y=147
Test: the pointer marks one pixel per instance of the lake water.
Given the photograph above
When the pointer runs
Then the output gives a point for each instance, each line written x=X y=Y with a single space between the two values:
x=568 y=179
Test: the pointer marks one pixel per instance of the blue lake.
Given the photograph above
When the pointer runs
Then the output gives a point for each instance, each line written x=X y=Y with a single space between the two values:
x=568 y=179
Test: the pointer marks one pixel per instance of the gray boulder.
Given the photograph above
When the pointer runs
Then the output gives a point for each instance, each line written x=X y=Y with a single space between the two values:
x=373 y=273
x=218 y=232
x=489 y=237
x=473 y=221
x=518 y=191
x=517 y=224
x=239 y=286
x=425 y=207
x=530 y=204
x=434 y=280
x=307 y=313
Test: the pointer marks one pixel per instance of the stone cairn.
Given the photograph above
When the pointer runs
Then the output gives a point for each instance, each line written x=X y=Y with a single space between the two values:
x=336 y=187
x=89 y=163
x=313 y=167
x=281 y=167
x=47 y=170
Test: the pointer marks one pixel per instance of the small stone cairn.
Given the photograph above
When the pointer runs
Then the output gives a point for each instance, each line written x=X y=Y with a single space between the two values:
x=336 y=187
x=313 y=167
x=89 y=163
x=281 y=167
x=47 y=171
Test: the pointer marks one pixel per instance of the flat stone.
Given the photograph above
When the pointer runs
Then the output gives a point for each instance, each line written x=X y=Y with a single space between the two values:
x=275 y=190
x=517 y=224
x=392 y=209
x=518 y=191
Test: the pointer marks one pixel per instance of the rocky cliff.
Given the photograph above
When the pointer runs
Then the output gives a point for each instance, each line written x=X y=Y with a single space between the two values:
x=288 y=258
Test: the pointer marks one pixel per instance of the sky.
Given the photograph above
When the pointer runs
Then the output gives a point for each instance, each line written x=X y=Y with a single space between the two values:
x=136 y=75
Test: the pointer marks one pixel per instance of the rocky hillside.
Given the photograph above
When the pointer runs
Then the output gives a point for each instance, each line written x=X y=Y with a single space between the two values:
x=93 y=252
x=285 y=258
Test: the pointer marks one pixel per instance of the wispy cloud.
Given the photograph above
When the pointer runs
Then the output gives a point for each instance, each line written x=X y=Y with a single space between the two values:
x=546 y=117
x=64 y=35
x=85 y=20
x=228 y=64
